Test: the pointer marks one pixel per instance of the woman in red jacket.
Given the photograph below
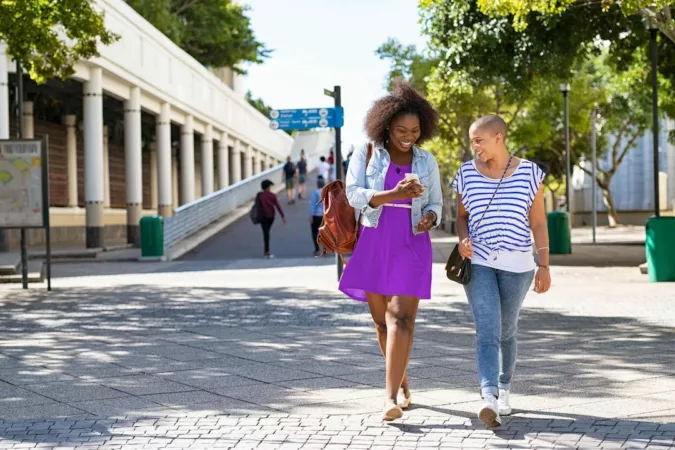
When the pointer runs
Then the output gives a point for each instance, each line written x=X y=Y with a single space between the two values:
x=268 y=202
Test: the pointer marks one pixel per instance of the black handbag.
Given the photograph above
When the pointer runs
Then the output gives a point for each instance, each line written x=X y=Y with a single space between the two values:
x=458 y=269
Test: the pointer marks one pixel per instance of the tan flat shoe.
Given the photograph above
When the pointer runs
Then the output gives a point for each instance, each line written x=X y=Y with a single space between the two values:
x=392 y=412
x=405 y=404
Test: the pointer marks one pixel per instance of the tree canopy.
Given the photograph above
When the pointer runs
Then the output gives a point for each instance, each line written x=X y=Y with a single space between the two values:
x=216 y=33
x=48 y=37
x=657 y=12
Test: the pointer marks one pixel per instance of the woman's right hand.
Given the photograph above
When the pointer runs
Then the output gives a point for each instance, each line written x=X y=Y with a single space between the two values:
x=408 y=189
x=466 y=248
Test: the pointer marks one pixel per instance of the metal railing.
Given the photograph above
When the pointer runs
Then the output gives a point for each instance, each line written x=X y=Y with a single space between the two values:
x=193 y=216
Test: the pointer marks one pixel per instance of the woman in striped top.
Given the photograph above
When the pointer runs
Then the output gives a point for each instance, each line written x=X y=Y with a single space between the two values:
x=501 y=205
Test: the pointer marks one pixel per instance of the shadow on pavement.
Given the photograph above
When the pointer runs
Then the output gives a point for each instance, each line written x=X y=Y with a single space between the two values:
x=149 y=351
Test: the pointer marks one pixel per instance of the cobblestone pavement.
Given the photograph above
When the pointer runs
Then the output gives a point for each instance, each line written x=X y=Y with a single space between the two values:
x=268 y=354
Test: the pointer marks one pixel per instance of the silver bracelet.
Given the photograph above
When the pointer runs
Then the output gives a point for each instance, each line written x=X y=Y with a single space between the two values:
x=543 y=248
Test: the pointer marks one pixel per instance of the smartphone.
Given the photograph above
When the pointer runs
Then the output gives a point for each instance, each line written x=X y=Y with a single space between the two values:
x=412 y=176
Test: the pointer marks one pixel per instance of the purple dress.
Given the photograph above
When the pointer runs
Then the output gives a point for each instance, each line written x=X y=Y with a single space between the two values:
x=390 y=259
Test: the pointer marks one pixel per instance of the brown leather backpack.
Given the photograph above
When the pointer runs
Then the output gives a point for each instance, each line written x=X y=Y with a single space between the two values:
x=339 y=230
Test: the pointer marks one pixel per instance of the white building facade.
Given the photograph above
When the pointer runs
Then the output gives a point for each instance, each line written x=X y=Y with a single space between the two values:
x=223 y=139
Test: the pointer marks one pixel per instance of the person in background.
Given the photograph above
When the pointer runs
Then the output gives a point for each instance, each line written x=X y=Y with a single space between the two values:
x=323 y=168
x=331 y=165
x=289 y=174
x=345 y=163
x=316 y=213
x=302 y=175
x=269 y=203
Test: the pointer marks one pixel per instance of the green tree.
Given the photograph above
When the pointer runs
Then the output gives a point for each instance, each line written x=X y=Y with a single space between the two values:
x=216 y=33
x=48 y=37
x=655 y=11
x=263 y=108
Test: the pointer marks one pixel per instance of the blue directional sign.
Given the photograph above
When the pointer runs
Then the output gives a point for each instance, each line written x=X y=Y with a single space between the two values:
x=306 y=118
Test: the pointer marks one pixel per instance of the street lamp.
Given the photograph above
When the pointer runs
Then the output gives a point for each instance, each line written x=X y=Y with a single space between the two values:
x=565 y=89
x=653 y=30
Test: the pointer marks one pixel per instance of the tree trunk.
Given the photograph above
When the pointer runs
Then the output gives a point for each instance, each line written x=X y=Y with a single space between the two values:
x=612 y=214
x=448 y=204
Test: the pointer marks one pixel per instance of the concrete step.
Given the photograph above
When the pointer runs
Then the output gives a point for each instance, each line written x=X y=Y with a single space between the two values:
x=36 y=271
x=9 y=263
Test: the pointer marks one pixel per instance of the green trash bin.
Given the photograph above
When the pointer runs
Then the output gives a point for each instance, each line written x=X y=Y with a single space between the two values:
x=559 y=233
x=152 y=236
x=660 y=248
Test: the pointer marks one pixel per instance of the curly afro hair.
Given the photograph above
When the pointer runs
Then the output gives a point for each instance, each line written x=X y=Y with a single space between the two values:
x=404 y=99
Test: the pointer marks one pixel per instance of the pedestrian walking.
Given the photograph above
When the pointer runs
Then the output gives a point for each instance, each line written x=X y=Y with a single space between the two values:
x=398 y=193
x=289 y=176
x=268 y=204
x=316 y=213
x=302 y=176
x=323 y=168
x=500 y=206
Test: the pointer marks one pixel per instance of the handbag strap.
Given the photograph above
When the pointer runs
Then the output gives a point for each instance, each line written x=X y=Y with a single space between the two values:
x=494 y=194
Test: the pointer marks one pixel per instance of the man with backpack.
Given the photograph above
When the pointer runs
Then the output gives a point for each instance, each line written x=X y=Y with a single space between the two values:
x=266 y=205
x=289 y=174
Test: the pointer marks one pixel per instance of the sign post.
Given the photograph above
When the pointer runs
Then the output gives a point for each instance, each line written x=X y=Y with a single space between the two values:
x=24 y=193
x=305 y=118
x=337 y=97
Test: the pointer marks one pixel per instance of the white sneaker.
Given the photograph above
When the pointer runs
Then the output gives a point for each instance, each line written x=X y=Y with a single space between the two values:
x=504 y=402
x=489 y=412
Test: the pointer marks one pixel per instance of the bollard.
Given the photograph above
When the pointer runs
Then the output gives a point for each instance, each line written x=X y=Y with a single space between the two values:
x=152 y=237
x=660 y=248
x=559 y=233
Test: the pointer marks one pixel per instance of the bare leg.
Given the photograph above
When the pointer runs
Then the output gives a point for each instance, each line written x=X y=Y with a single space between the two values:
x=400 y=318
x=378 y=309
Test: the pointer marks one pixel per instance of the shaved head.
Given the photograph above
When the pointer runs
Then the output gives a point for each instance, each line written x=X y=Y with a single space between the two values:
x=492 y=123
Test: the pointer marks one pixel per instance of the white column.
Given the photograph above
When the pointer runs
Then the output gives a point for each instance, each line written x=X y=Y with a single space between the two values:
x=154 y=198
x=248 y=161
x=28 y=120
x=70 y=122
x=269 y=162
x=175 y=182
x=93 y=157
x=187 y=162
x=223 y=163
x=164 y=160
x=207 y=160
x=236 y=162
x=133 y=159
x=4 y=93
x=106 y=168
x=259 y=161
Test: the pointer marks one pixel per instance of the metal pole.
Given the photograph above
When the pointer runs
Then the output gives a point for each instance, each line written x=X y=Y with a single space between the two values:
x=338 y=162
x=595 y=162
x=568 y=171
x=19 y=133
x=655 y=118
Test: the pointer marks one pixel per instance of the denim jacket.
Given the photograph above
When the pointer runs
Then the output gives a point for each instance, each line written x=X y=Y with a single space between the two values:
x=363 y=183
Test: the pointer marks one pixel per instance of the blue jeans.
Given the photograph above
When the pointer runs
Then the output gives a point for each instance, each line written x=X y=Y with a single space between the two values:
x=495 y=297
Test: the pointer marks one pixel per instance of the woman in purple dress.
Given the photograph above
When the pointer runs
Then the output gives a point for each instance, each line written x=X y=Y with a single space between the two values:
x=397 y=197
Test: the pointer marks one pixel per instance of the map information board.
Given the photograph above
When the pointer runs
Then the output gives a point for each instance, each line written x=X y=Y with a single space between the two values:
x=21 y=194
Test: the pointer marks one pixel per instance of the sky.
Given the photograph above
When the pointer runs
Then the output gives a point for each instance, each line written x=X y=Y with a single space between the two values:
x=322 y=43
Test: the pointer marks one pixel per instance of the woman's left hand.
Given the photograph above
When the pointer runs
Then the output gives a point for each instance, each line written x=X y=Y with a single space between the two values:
x=542 y=280
x=427 y=222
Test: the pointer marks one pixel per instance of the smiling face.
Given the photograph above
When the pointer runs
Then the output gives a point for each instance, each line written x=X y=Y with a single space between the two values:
x=404 y=131
x=485 y=143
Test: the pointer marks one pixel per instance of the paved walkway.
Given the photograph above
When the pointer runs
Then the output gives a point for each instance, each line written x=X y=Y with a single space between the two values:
x=267 y=354
x=243 y=240
x=225 y=349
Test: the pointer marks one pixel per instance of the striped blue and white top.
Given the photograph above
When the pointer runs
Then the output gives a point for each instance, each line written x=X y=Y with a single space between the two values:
x=503 y=239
